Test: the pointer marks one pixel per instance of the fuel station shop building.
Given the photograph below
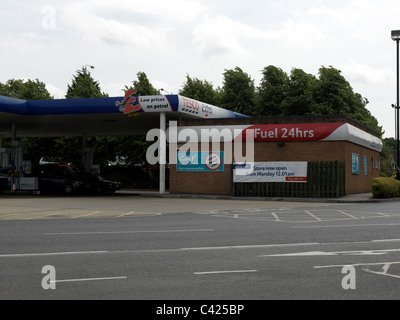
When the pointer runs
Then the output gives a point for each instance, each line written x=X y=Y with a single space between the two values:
x=319 y=157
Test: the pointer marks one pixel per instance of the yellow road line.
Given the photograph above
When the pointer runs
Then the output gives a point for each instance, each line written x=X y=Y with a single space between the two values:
x=8 y=214
x=126 y=214
x=312 y=215
x=275 y=216
x=137 y=214
x=45 y=216
x=87 y=215
x=347 y=214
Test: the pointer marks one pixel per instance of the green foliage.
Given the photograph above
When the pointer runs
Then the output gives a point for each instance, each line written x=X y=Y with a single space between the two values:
x=384 y=188
x=387 y=157
x=298 y=99
x=238 y=92
x=84 y=86
x=143 y=86
x=35 y=148
x=304 y=94
x=27 y=90
x=200 y=90
x=273 y=90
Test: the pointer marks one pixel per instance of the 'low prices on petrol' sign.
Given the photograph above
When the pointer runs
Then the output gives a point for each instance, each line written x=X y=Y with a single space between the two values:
x=270 y=172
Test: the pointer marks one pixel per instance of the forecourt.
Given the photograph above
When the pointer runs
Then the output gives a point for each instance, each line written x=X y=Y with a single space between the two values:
x=198 y=249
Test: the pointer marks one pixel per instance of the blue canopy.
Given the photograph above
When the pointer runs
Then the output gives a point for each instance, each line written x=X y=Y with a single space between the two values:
x=99 y=116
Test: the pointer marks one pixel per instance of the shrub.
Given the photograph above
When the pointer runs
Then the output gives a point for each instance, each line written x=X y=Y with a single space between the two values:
x=383 y=188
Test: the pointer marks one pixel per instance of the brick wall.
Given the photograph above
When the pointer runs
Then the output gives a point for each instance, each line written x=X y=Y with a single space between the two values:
x=220 y=183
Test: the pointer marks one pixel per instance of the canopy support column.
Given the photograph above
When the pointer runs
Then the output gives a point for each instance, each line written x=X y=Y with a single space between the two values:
x=163 y=150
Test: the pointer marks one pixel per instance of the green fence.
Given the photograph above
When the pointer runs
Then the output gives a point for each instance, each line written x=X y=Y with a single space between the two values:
x=325 y=180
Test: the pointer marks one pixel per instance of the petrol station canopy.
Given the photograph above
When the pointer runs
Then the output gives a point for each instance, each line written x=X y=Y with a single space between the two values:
x=129 y=115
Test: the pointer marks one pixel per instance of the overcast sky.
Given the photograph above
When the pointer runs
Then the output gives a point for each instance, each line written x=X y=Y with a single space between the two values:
x=168 y=39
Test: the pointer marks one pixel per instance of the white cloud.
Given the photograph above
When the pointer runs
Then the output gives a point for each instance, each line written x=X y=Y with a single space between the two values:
x=94 y=28
x=367 y=74
x=56 y=92
x=218 y=35
x=168 y=39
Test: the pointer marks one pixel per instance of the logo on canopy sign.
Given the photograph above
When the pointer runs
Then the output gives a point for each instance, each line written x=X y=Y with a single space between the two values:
x=130 y=103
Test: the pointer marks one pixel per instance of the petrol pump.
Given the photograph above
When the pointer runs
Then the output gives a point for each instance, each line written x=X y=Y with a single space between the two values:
x=17 y=158
x=5 y=158
x=20 y=168
x=88 y=166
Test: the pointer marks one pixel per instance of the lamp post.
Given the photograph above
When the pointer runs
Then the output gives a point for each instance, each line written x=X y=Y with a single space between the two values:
x=396 y=37
x=85 y=67
x=165 y=91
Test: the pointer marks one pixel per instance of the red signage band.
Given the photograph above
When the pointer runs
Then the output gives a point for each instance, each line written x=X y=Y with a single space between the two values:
x=289 y=132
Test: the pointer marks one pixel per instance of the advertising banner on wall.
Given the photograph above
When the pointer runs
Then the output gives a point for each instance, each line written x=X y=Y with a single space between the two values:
x=270 y=172
x=200 y=162
x=355 y=167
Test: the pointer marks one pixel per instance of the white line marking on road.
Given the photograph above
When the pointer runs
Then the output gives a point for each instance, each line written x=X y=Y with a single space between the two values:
x=225 y=272
x=323 y=253
x=382 y=274
x=356 y=265
x=251 y=246
x=348 y=226
x=89 y=279
x=21 y=255
x=129 y=232
x=301 y=254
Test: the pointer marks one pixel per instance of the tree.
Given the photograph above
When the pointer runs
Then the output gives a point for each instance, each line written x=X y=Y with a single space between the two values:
x=388 y=157
x=35 y=148
x=200 y=90
x=84 y=86
x=238 y=92
x=273 y=90
x=143 y=86
x=332 y=94
x=27 y=90
x=298 y=98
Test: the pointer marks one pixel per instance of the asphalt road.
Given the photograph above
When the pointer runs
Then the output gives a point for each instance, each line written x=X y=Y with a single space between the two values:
x=140 y=248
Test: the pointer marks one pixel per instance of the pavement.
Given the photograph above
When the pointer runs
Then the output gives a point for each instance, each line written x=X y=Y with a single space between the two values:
x=351 y=198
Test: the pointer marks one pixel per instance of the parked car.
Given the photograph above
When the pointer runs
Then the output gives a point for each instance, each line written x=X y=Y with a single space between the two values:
x=61 y=179
x=5 y=180
x=68 y=179
x=104 y=186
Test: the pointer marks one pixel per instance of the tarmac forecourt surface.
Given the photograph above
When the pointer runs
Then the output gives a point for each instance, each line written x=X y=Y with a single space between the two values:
x=146 y=247
x=145 y=203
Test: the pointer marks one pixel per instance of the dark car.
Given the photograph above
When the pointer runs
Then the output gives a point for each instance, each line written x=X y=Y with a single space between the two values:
x=103 y=186
x=5 y=180
x=62 y=179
